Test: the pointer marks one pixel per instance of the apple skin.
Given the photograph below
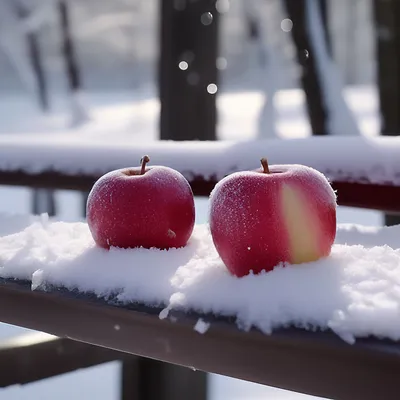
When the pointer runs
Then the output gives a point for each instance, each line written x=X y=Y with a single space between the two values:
x=259 y=220
x=156 y=209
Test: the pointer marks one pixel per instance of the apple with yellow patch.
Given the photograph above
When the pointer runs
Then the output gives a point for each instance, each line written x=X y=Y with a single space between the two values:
x=275 y=214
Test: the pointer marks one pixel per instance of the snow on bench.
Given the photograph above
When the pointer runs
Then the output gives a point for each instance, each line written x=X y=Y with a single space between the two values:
x=355 y=292
x=376 y=159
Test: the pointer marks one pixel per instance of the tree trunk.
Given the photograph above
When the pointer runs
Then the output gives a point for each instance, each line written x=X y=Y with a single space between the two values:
x=316 y=109
x=323 y=6
x=68 y=51
x=387 y=26
x=79 y=114
x=187 y=66
x=36 y=60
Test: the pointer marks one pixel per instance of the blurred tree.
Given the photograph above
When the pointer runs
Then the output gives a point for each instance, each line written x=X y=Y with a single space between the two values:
x=79 y=114
x=323 y=6
x=387 y=25
x=187 y=69
x=35 y=56
x=316 y=108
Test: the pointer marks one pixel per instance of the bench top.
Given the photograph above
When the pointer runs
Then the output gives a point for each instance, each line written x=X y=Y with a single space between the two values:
x=317 y=363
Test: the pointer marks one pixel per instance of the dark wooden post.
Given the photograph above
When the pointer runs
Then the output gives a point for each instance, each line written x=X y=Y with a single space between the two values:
x=187 y=66
x=387 y=25
x=317 y=112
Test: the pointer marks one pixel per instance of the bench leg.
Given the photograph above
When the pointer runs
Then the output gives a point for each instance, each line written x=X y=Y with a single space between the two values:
x=392 y=219
x=147 y=379
x=43 y=201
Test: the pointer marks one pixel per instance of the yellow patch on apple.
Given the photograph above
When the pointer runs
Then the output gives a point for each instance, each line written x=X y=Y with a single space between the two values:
x=301 y=225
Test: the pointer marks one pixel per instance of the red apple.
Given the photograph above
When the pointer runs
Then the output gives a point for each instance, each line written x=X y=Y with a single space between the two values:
x=272 y=215
x=141 y=207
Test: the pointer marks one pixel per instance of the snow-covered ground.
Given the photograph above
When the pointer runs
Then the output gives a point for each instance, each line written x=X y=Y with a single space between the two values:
x=132 y=116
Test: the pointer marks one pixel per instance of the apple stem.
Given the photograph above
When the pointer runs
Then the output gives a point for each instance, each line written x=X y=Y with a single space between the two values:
x=144 y=160
x=264 y=164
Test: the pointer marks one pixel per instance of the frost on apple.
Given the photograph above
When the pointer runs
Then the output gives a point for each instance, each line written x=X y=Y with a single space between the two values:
x=273 y=215
x=330 y=293
x=141 y=207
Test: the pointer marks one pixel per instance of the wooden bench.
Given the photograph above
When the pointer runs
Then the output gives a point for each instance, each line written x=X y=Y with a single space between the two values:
x=314 y=363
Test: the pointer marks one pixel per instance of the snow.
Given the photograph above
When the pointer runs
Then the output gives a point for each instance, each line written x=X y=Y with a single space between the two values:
x=79 y=113
x=201 y=326
x=349 y=158
x=133 y=116
x=355 y=291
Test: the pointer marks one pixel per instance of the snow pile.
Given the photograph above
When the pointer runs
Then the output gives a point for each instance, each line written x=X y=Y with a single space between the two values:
x=355 y=291
x=349 y=158
x=201 y=326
